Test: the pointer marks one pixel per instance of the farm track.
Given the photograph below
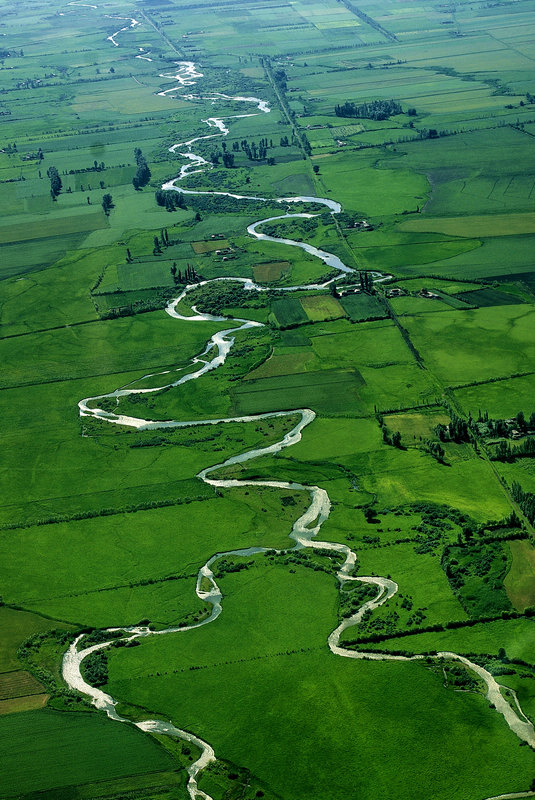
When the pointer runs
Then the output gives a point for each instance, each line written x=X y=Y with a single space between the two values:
x=307 y=526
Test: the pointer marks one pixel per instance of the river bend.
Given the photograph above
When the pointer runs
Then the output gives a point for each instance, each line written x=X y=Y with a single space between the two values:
x=306 y=529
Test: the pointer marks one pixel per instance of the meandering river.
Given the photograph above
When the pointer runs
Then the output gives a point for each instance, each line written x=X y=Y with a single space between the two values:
x=307 y=528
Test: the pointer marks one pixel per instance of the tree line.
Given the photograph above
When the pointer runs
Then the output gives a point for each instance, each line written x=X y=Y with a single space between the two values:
x=376 y=109
x=170 y=200
x=526 y=500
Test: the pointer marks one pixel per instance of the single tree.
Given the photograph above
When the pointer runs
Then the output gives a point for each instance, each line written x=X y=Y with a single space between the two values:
x=107 y=204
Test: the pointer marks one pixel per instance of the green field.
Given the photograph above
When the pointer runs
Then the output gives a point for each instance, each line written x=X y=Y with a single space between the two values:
x=72 y=749
x=415 y=124
x=362 y=307
x=317 y=684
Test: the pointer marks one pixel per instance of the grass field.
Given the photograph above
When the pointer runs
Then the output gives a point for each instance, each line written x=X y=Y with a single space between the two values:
x=73 y=748
x=416 y=426
x=474 y=226
x=317 y=683
x=515 y=635
x=104 y=525
x=271 y=271
x=501 y=399
x=471 y=347
x=520 y=580
x=289 y=312
x=487 y=297
x=321 y=307
x=209 y=247
x=362 y=307
x=326 y=391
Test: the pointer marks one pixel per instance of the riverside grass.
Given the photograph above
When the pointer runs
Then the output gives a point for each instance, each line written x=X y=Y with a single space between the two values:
x=316 y=681
x=90 y=113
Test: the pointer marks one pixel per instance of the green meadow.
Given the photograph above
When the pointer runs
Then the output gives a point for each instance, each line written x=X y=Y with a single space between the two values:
x=420 y=122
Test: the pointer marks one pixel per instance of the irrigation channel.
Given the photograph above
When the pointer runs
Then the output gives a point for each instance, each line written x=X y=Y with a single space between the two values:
x=307 y=527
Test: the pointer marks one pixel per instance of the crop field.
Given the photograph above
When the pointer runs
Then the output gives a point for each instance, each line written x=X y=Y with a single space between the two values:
x=272 y=271
x=487 y=297
x=520 y=580
x=351 y=367
x=18 y=684
x=319 y=308
x=502 y=398
x=289 y=312
x=360 y=307
x=327 y=391
x=209 y=247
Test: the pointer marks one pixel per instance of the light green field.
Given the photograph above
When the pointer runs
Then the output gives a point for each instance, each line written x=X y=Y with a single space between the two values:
x=495 y=225
x=501 y=399
x=477 y=345
x=516 y=636
x=520 y=580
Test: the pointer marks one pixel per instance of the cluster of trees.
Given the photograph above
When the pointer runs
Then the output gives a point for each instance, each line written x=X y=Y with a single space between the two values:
x=253 y=151
x=170 y=200
x=95 y=668
x=504 y=451
x=280 y=79
x=458 y=430
x=55 y=182
x=526 y=500
x=215 y=297
x=161 y=241
x=189 y=276
x=142 y=176
x=377 y=109
x=436 y=450
x=224 y=565
x=366 y=282
x=96 y=167
x=461 y=561
x=350 y=602
x=328 y=561
x=393 y=439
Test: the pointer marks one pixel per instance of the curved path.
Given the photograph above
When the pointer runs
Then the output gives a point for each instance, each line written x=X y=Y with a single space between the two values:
x=305 y=529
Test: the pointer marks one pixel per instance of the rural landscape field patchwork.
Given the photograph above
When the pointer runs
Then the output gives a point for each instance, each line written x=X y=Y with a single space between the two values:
x=268 y=393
